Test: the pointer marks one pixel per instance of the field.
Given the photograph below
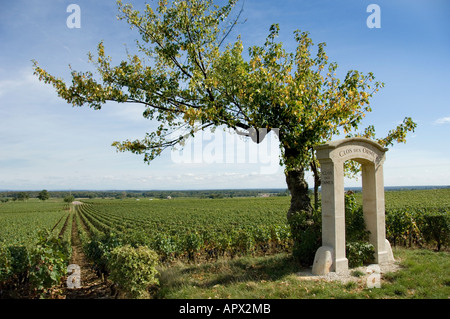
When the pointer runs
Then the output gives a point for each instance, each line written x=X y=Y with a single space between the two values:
x=193 y=228
x=21 y=221
x=188 y=231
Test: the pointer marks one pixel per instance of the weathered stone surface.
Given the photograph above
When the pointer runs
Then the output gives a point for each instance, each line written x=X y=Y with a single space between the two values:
x=323 y=261
x=390 y=254
x=332 y=156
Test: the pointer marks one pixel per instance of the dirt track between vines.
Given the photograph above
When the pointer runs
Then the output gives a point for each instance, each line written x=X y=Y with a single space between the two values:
x=92 y=286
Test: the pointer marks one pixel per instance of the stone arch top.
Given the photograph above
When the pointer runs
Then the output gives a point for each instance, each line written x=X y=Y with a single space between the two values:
x=360 y=149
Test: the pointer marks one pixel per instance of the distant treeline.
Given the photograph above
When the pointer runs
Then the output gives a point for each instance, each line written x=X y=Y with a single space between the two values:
x=121 y=194
x=225 y=193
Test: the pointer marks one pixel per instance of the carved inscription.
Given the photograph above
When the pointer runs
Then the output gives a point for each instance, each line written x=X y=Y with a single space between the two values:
x=327 y=177
x=355 y=150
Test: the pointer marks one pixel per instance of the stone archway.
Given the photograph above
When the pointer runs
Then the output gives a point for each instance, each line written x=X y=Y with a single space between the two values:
x=371 y=156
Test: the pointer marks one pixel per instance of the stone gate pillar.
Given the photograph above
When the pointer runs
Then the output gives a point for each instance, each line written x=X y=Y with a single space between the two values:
x=371 y=156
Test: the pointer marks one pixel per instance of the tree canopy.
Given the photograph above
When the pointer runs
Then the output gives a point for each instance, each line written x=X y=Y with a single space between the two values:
x=43 y=195
x=190 y=77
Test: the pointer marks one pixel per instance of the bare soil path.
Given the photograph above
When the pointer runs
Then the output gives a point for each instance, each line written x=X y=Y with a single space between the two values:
x=92 y=287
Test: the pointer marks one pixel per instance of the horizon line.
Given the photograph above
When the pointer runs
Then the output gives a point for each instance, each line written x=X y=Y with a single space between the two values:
x=200 y=190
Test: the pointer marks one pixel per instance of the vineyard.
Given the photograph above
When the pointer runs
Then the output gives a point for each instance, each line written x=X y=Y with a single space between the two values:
x=20 y=222
x=183 y=229
x=36 y=237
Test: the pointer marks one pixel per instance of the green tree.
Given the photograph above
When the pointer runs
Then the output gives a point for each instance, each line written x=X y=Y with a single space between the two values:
x=190 y=77
x=43 y=195
x=69 y=198
x=23 y=196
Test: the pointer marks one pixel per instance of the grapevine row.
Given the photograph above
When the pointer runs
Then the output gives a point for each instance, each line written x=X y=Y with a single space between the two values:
x=201 y=242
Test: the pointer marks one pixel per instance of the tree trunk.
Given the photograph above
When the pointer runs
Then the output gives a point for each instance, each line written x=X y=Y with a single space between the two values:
x=317 y=182
x=298 y=187
x=316 y=192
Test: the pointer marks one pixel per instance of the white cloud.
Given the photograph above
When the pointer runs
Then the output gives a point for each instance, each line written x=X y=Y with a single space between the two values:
x=24 y=87
x=127 y=112
x=442 y=120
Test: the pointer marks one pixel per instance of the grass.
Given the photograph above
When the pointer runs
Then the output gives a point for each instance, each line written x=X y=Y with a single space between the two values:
x=425 y=274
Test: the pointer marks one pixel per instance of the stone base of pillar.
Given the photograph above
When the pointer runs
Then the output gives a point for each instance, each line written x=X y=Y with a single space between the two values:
x=323 y=261
x=341 y=266
x=391 y=258
x=386 y=256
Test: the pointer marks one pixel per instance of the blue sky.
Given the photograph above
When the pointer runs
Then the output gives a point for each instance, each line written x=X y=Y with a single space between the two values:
x=45 y=143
